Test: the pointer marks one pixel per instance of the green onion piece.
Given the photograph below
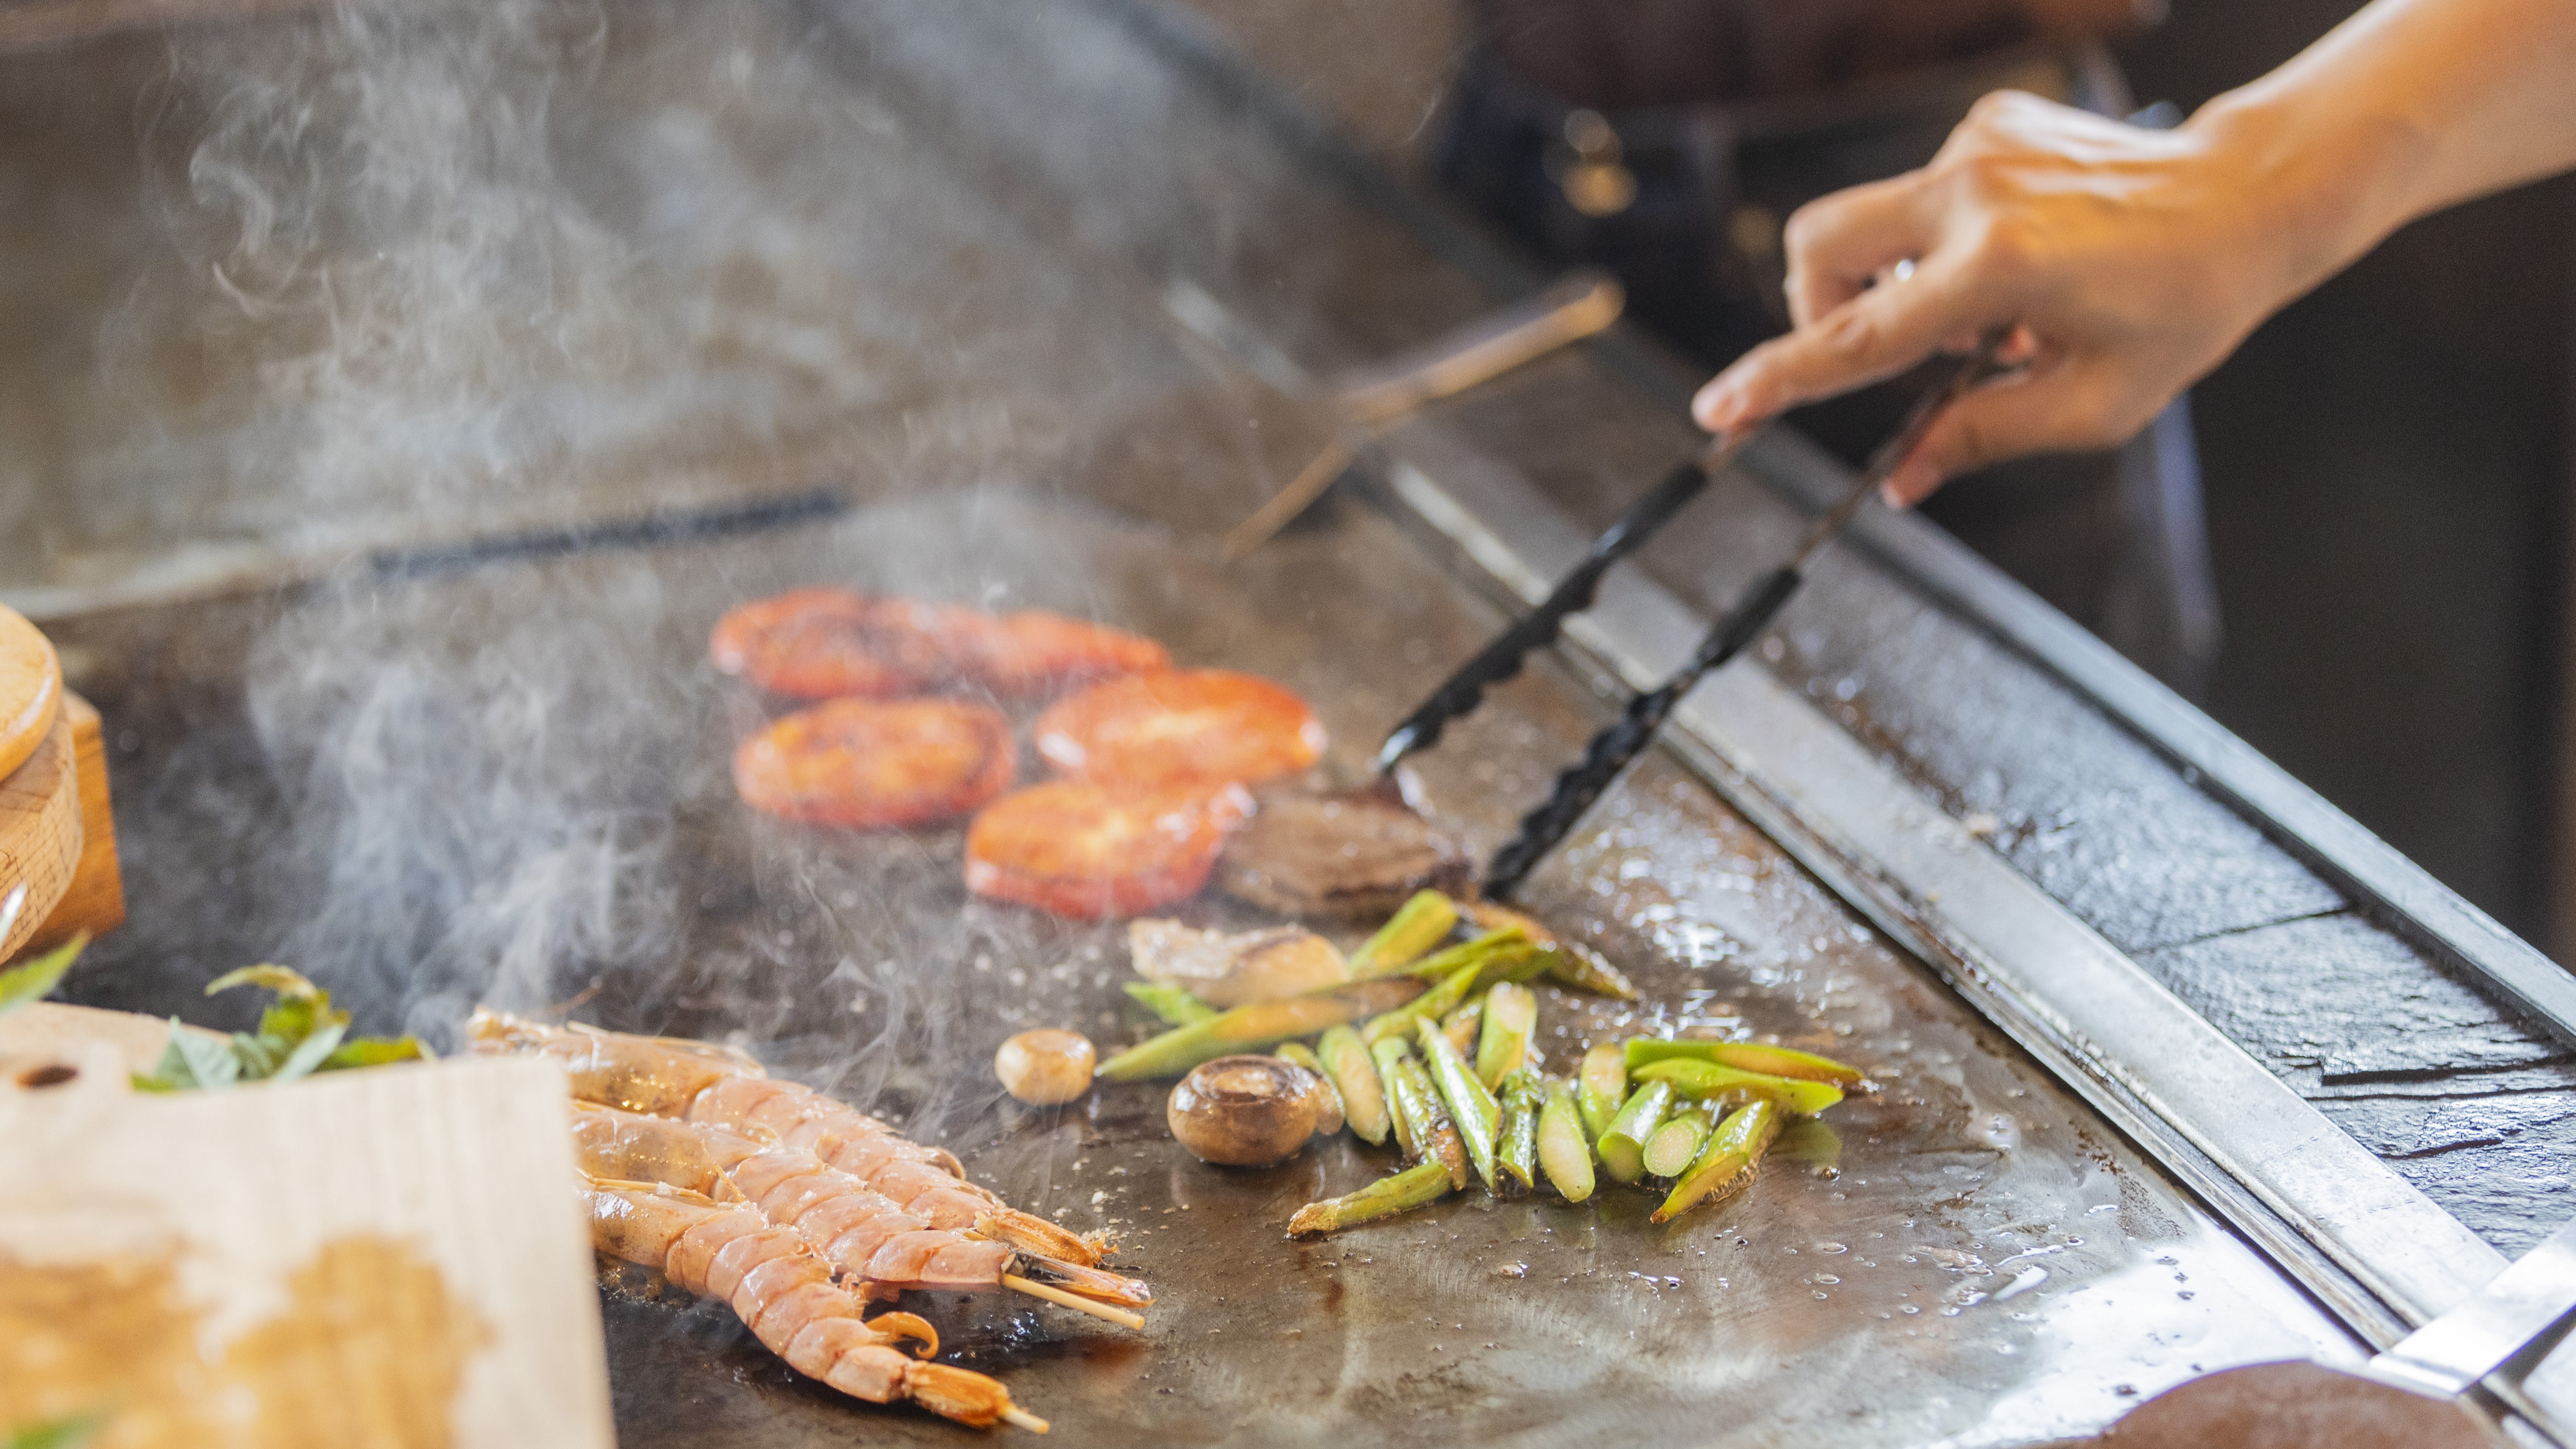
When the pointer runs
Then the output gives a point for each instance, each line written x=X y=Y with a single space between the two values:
x=1623 y=1143
x=1472 y=1109
x=1511 y=1015
x=1416 y=1186
x=1728 y=1162
x=1562 y=1150
x=1415 y=930
x=1701 y=1081
x=1346 y=1061
x=1745 y=1056
x=1173 y=1005
x=1604 y=1089
x=1253 y=1028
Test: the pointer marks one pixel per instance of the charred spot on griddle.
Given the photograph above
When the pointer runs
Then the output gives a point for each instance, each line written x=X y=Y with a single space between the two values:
x=1346 y=853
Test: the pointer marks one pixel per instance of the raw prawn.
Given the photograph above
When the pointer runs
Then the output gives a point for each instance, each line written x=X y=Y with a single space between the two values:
x=857 y=1230
x=674 y=1077
x=786 y=1297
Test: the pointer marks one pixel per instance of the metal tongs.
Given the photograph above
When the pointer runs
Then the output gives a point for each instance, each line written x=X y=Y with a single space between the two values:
x=1611 y=749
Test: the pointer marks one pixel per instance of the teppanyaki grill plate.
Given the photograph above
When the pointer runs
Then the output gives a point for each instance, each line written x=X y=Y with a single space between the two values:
x=510 y=782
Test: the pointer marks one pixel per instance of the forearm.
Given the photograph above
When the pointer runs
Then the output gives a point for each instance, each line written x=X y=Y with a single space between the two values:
x=2406 y=108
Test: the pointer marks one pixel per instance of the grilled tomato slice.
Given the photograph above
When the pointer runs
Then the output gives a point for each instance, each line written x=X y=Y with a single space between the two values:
x=812 y=644
x=1179 y=725
x=1034 y=654
x=875 y=764
x=1096 y=851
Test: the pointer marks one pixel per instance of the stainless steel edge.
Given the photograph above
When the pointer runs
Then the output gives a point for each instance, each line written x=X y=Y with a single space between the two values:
x=2400 y=894
x=2135 y=1051
x=2396 y=891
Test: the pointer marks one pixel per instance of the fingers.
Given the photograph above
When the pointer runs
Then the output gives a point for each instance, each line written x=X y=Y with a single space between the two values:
x=1837 y=244
x=1875 y=335
x=2060 y=407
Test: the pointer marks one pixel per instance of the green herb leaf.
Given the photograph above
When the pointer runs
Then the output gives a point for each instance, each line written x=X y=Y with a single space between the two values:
x=288 y=984
x=32 y=981
x=312 y=1052
x=199 y=1061
x=71 y=1433
x=258 y=1055
x=375 y=1051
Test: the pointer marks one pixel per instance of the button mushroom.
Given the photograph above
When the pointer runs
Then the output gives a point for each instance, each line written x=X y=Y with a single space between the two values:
x=1245 y=1111
x=1045 y=1067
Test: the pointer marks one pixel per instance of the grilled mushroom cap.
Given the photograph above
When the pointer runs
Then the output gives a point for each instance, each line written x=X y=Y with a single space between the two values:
x=1244 y=1111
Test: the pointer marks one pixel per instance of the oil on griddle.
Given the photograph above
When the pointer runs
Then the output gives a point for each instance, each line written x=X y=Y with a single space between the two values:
x=498 y=774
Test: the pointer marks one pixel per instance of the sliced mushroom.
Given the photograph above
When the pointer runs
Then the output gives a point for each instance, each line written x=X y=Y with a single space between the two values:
x=1045 y=1067
x=1237 y=969
x=1245 y=1111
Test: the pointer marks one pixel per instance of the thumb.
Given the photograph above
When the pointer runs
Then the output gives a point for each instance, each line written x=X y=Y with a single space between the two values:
x=2058 y=408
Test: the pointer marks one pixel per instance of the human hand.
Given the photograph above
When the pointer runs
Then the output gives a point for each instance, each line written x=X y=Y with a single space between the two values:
x=2128 y=262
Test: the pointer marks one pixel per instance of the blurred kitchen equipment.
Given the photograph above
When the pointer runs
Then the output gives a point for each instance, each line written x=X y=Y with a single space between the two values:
x=1373 y=398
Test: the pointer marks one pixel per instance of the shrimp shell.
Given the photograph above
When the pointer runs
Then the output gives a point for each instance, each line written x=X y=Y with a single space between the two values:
x=715 y=1086
x=785 y=1295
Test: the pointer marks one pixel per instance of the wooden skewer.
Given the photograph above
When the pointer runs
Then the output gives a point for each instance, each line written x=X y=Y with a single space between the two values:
x=1024 y=1419
x=1073 y=1301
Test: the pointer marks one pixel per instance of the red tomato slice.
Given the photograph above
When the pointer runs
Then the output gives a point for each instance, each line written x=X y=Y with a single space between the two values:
x=875 y=764
x=1096 y=852
x=1181 y=724
x=1035 y=653
x=810 y=644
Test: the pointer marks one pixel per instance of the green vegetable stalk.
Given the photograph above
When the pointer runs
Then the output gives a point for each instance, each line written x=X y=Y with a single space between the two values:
x=1507 y=955
x=1677 y=1142
x=1575 y=965
x=1604 y=1087
x=1387 y=1059
x=1511 y=1015
x=1415 y=930
x=1562 y=1150
x=1745 y=1056
x=1296 y=1051
x=1426 y=1007
x=1478 y=1117
x=1432 y=1128
x=1416 y=1186
x=1623 y=1142
x=1701 y=1081
x=1516 y=1151
x=1253 y=1028
x=1728 y=1162
x=1346 y=1061
x=1462 y=1025
x=1173 y=1005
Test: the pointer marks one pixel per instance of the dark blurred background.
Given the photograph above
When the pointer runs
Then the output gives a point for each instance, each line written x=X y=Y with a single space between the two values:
x=2386 y=467
x=2383 y=465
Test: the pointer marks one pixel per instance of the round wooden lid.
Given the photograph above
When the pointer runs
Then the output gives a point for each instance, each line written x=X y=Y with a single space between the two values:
x=31 y=689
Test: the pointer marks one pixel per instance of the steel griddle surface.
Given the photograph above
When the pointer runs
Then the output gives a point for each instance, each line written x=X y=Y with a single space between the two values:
x=510 y=781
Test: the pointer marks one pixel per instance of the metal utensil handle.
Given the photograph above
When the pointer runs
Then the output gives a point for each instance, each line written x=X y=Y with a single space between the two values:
x=1610 y=750
x=1462 y=691
x=1582 y=304
x=2519 y=1307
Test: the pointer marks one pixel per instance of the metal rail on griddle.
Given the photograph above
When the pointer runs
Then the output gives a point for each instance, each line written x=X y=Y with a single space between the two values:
x=1610 y=750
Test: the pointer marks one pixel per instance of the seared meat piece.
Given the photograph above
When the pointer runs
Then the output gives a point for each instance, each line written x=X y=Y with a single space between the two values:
x=1356 y=853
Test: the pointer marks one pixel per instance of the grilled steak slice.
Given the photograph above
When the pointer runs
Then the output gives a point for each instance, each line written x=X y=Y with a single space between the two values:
x=1354 y=853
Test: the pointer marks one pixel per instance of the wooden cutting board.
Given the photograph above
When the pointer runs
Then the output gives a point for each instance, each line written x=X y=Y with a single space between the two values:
x=40 y=831
x=31 y=689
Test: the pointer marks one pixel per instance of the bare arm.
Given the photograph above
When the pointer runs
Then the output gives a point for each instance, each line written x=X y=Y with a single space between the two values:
x=2133 y=261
